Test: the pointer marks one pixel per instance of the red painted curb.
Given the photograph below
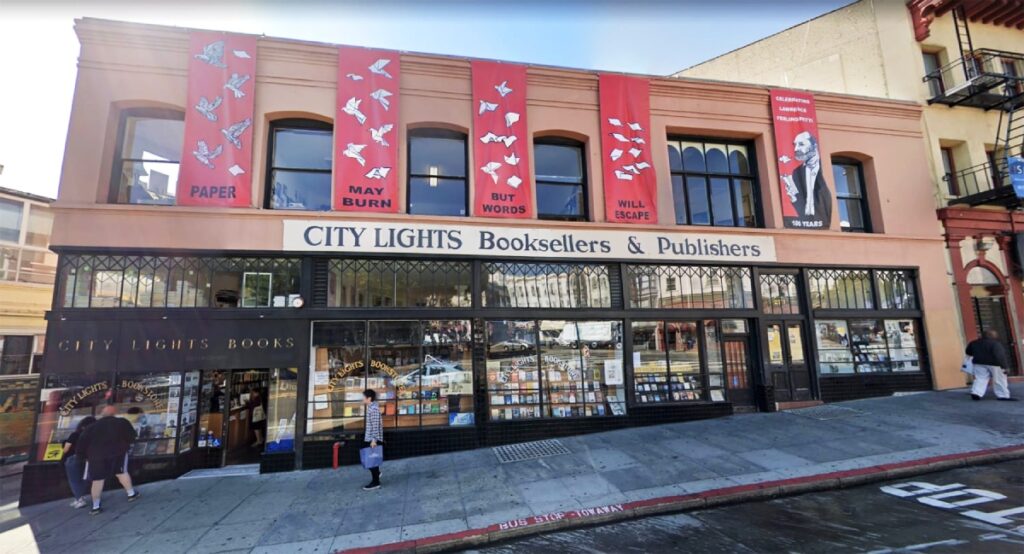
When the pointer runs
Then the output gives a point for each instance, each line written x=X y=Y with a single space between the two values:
x=547 y=522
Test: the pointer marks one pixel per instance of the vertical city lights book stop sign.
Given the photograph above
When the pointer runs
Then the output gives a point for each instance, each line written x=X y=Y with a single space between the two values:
x=216 y=159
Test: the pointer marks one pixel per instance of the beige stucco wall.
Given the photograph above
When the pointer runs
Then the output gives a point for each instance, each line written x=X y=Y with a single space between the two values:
x=22 y=307
x=296 y=78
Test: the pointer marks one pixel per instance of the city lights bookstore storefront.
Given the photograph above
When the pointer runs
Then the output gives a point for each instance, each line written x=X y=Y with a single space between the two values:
x=471 y=336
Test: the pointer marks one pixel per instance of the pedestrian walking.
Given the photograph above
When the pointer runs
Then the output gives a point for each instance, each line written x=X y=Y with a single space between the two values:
x=73 y=464
x=104 y=446
x=990 y=362
x=374 y=435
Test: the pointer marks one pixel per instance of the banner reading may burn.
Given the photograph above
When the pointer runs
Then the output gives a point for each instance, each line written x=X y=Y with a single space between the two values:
x=216 y=161
x=500 y=151
x=630 y=184
x=806 y=196
x=366 y=131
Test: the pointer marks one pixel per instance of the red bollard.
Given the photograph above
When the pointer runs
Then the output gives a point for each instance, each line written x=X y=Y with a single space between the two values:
x=337 y=448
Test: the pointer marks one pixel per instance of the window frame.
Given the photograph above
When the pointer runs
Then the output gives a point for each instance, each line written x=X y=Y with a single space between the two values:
x=862 y=199
x=581 y=147
x=947 y=159
x=436 y=132
x=116 y=168
x=751 y=176
x=301 y=124
x=936 y=87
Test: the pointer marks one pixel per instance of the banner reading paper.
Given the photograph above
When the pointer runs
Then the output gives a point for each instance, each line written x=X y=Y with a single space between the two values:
x=216 y=161
x=502 y=185
x=806 y=196
x=630 y=183
x=366 y=131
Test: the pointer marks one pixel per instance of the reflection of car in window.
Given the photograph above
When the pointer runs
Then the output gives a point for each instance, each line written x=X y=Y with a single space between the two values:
x=431 y=367
x=511 y=345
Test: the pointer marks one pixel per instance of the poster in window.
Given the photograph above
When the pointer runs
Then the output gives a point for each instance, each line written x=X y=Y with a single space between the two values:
x=630 y=182
x=774 y=344
x=366 y=131
x=806 y=195
x=501 y=178
x=216 y=161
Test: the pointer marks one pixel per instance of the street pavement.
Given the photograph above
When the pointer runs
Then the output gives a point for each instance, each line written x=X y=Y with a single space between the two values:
x=861 y=519
x=427 y=496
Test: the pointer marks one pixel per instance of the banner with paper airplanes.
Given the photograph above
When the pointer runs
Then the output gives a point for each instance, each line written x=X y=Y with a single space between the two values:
x=216 y=162
x=630 y=182
x=366 y=131
x=502 y=183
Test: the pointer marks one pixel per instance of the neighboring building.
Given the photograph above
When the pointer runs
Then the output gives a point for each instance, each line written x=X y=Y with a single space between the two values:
x=27 y=269
x=964 y=61
x=474 y=330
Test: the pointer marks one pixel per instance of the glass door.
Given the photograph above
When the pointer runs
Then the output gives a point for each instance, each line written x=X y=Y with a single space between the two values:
x=785 y=360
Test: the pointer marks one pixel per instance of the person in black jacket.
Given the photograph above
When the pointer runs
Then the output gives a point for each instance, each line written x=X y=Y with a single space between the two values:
x=990 y=361
x=104 y=446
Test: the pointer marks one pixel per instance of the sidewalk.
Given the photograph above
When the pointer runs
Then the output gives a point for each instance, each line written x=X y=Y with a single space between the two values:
x=468 y=497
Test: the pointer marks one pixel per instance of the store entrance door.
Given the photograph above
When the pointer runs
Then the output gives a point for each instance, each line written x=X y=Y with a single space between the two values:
x=737 y=373
x=785 y=360
x=990 y=314
x=233 y=416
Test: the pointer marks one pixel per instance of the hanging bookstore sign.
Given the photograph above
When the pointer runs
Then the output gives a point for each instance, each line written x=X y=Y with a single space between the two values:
x=370 y=237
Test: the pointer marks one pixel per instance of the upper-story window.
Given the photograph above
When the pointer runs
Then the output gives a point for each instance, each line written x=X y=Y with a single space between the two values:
x=300 y=155
x=24 y=241
x=931 y=68
x=437 y=173
x=148 y=153
x=561 y=179
x=713 y=183
x=853 y=206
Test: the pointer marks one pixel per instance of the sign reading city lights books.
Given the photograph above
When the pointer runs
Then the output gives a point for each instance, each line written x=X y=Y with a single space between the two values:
x=806 y=196
x=500 y=152
x=216 y=160
x=366 y=131
x=630 y=182
x=371 y=237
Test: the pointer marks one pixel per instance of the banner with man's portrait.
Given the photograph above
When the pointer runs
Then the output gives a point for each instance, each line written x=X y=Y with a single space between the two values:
x=806 y=194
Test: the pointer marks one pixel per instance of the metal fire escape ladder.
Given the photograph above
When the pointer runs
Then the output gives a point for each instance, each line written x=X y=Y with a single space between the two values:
x=1010 y=137
x=963 y=40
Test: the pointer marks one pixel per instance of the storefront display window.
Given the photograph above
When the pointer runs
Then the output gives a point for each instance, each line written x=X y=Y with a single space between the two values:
x=63 y=401
x=281 y=402
x=716 y=366
x=675 y=346
x=189 y=411
x=513 y=378
x=18 y=408
x=582 y=369
x=868 y=345
x=150 y=402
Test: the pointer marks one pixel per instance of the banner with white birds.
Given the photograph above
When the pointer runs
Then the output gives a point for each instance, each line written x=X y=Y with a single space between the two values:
x=216 y=161
x=630 y=182
x=366 y=130
x=500 y=147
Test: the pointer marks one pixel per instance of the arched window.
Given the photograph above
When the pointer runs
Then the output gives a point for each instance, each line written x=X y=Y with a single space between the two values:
x=145 y=170
x=713 y=182
x=854 y=216
x=299 y=165
x=561 y=178
x=437 y=172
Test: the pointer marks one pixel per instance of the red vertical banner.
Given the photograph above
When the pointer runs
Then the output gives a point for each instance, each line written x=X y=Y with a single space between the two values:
x=366 y=131
x=500 y=147
x=630 y=183
x=806 y=196
x=216 y=162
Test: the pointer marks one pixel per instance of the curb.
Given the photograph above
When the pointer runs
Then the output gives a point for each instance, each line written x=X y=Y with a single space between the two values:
x=767 y=490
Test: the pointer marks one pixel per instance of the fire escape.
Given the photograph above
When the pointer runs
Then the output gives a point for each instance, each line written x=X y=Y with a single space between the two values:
x=990 y=80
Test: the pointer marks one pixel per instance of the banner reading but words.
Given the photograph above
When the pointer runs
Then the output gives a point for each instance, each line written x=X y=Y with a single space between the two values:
x=216 y=160
x=500 y=149
x=806 y=196
x=366 y=131
x=630 y=182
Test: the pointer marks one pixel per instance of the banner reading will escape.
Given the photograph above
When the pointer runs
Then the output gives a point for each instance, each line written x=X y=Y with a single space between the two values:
x=630 y=183
x=500 y=148
x=806 y=196
x=366 y=131
x=216 y=160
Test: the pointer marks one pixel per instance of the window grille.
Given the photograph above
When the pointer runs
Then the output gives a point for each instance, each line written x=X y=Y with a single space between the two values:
x=841 y=289
x=896 y=289
x=689 y=287
x=779 y=293
x=354 y=283
x=525 y=285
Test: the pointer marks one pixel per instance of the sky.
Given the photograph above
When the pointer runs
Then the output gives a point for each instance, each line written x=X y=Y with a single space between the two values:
x=39 y=49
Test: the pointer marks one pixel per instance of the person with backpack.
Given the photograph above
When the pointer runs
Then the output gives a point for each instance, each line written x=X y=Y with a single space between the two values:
x=104 y=446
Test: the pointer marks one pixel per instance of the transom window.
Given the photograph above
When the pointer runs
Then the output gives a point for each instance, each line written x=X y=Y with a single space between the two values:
x=300 y=157
x=853 y=208
x=561 y=179
x=689 y=287
x=437 y=173
x=149 y=151
x=713 y=183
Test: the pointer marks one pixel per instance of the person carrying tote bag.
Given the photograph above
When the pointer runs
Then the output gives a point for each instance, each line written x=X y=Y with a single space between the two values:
x=372 y=453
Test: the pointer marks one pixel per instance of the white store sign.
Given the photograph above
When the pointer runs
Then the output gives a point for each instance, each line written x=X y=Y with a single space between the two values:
x=365 y=237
